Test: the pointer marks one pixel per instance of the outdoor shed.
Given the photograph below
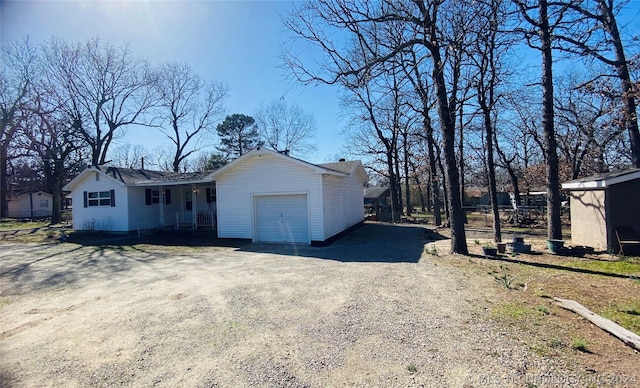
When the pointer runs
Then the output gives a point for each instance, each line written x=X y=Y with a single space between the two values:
x=267 y=196
x=37 y=204
x=602 y=203
x=376 y=205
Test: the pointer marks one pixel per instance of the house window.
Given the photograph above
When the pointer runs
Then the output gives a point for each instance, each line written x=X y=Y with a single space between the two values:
x=152 y=196
x=44 y=203
x=99 y=198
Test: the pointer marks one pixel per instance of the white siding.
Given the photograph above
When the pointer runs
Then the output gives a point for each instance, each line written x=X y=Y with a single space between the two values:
x=343 y=204
x=264 y=175
x=20 y=207
x=149 y=215
x=105 y=218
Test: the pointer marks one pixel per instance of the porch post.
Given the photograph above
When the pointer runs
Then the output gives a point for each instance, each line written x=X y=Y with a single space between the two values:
x=194 y=209
x=161 y=192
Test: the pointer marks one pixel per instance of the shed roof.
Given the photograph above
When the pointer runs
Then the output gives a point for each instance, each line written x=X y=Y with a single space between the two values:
x=601 y=181
x=39 y=192
x=375 y=192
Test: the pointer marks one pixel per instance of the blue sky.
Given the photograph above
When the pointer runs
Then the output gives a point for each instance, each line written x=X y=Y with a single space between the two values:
x=237 y=42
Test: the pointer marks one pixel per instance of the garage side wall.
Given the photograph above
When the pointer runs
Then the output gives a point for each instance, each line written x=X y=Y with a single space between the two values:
x=343 y=205
x=264 y=175
x=588 y=218
x=100 y=218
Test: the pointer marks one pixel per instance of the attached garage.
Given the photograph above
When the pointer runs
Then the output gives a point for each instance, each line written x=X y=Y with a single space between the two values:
x=267 y=196
x=282 y=218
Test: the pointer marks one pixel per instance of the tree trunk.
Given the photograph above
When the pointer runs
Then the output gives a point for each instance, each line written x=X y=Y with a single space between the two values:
x=493 y=191
x=407 y=186
x=554 y=225
x=461 y=157
x=396 y=166
x=58 y=195
x=4 y=207
x=631 y=118
x=433 y=171
x=393 y=187
x=444 y=184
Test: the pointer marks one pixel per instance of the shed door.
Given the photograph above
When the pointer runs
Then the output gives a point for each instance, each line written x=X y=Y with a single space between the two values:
x=282 y=218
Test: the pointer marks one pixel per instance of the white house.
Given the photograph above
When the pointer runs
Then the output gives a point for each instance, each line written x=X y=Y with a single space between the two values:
x=267 y=196
x=123 y=200
x=37 y=204
x=262 y=196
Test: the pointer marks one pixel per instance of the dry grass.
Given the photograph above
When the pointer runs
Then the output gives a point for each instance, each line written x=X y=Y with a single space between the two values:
x=606 y=284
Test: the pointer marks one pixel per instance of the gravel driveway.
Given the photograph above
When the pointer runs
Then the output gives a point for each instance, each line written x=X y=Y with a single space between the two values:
x=369 y=310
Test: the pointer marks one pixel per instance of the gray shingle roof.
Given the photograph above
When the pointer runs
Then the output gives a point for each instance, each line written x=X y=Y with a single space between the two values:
x=136 y=176
x=375 y=192
x=346 y=167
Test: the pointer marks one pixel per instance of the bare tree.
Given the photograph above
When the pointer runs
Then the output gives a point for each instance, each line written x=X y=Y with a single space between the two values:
x=414 y=73
x=189 y=108
x=102 y=88
x=545 y=20
x=486 y=55
x=19 y=66
x=128 y=155
x=53 y=141
x=587 y=127
x=603 y=42
x=286 y=127
x=369 y=48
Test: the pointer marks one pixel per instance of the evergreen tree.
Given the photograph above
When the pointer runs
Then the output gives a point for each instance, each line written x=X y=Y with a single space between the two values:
x=238 y=134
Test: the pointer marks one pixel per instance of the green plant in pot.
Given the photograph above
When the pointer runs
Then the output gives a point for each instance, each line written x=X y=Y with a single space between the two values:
x=489 y=250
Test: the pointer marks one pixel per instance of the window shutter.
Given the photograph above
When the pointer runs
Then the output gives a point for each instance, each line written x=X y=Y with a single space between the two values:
x=86 y=199
x=208 y=194
x=147 y=196
x=167 y=196
x=113 y=198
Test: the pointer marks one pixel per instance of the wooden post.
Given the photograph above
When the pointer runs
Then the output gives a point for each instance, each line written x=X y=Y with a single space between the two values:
x=626 y=336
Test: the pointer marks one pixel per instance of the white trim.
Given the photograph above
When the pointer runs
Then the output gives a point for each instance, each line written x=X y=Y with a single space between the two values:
x=259 y=151
x=168 y=183
x=601 y=183
x=82 y=176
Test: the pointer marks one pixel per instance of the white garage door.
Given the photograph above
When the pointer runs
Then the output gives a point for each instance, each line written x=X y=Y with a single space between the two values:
x=282 y=218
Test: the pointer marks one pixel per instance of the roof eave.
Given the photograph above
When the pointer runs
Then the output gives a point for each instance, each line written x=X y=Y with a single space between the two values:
x=169 y=183
x=589 y=185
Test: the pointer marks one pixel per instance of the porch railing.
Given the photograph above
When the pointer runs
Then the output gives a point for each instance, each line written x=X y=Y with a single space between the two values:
x=204 y=220
x=148 y=223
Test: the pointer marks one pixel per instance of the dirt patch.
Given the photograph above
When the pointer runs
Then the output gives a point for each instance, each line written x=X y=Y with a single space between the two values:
x=370 y=310
x=526 y=283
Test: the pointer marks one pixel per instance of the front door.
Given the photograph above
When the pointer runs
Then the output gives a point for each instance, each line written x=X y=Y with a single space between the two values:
x=188 y=201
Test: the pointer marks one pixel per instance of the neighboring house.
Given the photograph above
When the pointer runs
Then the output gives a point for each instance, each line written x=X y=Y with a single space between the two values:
x=263 y=196
x=376 y=204
x=600 y=204
x=31 y=205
